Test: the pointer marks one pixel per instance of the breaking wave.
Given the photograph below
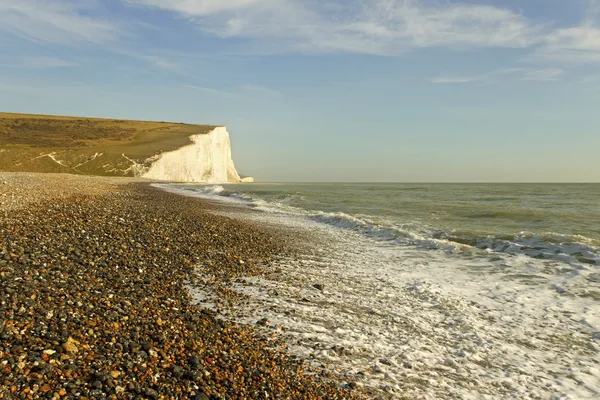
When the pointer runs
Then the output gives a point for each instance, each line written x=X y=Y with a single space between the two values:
x=572 y=249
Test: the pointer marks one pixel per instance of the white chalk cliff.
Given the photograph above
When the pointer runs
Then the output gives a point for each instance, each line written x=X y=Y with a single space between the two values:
x=206 y=159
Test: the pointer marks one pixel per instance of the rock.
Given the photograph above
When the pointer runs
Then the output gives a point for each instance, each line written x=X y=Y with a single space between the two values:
x=147 y=346
x=190 y=375
x=177 y=371
x=117 y=328
x=319 y=286
x=69 y=347
x=195 y=362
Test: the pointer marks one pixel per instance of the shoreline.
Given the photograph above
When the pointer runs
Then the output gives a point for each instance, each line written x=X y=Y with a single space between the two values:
x=94 y=272
x=401 y=321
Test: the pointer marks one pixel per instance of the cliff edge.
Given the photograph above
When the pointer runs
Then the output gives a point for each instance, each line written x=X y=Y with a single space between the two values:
x=111 y=147
x=207 y=159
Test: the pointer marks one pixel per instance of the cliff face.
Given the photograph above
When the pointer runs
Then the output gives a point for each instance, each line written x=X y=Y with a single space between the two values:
x=92 y=146
x=207 y=159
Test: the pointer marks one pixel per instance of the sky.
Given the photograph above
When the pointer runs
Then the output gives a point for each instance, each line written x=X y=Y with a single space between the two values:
x=329 y=90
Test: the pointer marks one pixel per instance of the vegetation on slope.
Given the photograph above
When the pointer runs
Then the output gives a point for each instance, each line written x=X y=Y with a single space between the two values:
x=91 y=146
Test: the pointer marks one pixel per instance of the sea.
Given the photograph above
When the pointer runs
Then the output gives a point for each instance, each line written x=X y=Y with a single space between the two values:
x=430 y=291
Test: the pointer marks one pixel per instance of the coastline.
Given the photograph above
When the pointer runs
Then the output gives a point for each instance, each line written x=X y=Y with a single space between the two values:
x=403 y=321
x=94 y=272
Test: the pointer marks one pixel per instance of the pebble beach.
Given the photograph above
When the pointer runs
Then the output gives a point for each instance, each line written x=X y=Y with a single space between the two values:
x=94 y=305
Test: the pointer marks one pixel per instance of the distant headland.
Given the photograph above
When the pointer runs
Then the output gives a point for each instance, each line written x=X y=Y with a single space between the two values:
x=115 y=147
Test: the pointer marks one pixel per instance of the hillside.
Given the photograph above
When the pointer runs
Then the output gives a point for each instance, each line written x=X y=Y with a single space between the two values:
x=91 y=146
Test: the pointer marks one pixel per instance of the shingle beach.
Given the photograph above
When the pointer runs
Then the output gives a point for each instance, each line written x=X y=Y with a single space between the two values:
x=93 y=299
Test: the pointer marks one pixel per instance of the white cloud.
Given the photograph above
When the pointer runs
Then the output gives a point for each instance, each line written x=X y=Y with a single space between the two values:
x=258 y=91
x=544 y=74
x=578 y=44
x=385 y=27
x=197 y=7
x=241 y=92
x=211 y=91
x=379 y=27
x=36 y=62
x=56 y=21
x=523 y=74
x=160 y=62
x=571 y=45
x=458 y=79
x=588 y=79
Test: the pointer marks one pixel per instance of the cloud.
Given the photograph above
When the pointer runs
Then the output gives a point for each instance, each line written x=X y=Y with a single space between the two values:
x=377 y=27
x=458 y=79
x=69 y=22
x=591 y=78
x=571 y=45
x=36 y=62
x=241 y=92
x=523 y=74
x=159 y=62
x=211 y=91
x=544 y=74
x=578 y=44
x=56 y=21
x=384 y=27
x=198 y=7
x=258 y=91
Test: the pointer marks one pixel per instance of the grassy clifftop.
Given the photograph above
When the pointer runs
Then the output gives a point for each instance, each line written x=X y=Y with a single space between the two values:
x=91 y=146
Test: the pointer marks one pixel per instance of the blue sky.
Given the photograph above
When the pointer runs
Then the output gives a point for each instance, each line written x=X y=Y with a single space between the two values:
x=329 y=90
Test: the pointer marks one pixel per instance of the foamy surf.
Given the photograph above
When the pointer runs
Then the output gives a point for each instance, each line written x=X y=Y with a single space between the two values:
x=576 y=250
x=405 y=320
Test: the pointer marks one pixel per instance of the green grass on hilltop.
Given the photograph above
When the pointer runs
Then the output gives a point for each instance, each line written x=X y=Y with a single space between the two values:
x=91 y=146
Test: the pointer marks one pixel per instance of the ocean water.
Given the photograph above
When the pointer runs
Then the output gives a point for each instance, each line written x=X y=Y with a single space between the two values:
x=433 y=291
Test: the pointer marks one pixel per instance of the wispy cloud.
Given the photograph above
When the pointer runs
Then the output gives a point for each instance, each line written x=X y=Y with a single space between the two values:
x=36 y=62
x=160 y=62
x=211 y=91
x=570 y=45
x=384 y=27
x=56 y=21
x=378 y=27
x=199 y=7
x=69 y=22
x=544 y=74
x=523 y=74
x=578 y=44
x=459 y=79
x=241 y=92
x=392 y=27
x=258 y=91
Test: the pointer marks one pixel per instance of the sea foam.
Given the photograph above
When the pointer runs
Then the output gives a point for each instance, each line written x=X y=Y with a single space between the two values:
x=408 y=320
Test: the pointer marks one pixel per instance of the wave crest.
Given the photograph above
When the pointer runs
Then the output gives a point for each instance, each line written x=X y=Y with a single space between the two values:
x=572 y=249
